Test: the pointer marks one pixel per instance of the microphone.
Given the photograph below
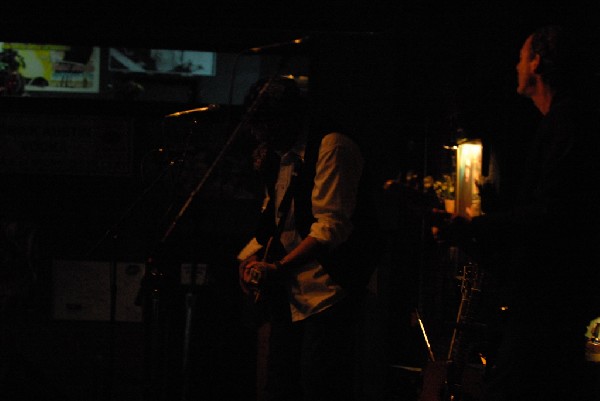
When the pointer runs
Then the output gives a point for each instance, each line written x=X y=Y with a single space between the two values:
x=277 y=46
x=210 y=107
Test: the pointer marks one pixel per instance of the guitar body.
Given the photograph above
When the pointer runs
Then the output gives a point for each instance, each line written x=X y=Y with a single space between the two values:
x=434 y=382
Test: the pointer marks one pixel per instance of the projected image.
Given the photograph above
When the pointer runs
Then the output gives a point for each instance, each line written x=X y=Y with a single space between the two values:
x=162 y=61
x=50 y=67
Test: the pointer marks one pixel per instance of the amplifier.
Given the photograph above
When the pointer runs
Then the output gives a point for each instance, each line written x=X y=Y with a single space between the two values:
x=81 y=290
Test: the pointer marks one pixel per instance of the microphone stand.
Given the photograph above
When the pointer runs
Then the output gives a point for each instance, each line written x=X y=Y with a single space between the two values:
x=190 y=301
x=155 y=278
x=112 y=232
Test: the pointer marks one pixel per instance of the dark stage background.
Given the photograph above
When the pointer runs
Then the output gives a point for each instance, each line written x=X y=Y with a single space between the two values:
x=92 y=180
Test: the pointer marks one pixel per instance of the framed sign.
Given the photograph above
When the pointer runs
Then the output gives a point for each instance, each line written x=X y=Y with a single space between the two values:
x=468 y=177
x=55 y=67
x=162 y=61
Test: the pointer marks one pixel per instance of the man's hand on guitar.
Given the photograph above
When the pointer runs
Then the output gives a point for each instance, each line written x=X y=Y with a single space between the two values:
x=253 y=275
x=243 y=274
x=256 y=272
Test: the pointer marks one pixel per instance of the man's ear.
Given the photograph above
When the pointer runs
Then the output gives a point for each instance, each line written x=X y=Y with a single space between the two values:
x=536 y=65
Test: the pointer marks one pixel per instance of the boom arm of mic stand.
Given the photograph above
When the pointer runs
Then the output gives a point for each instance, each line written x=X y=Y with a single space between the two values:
x=111 y=231
x=247 y=117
